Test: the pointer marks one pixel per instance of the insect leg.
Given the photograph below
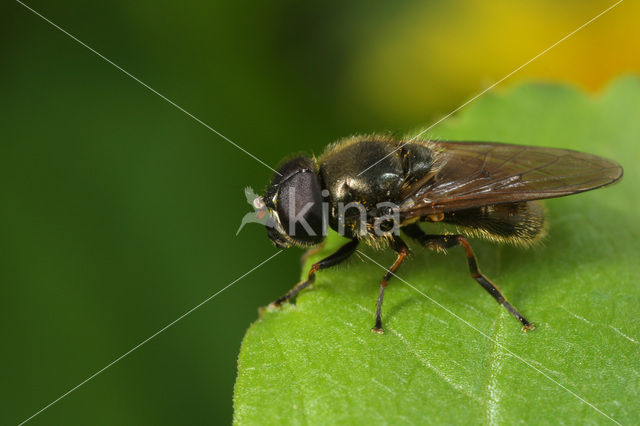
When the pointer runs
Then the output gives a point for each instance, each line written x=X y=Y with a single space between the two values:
x=402 y=250
x=339 y=256
x=435 y=242
x=310 y=252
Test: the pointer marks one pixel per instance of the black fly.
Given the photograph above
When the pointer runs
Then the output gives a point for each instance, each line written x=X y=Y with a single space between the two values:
x=485 y=189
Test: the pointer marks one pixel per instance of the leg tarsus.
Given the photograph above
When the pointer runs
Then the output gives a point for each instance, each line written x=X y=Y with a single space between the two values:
x=311 y=277
x=378 y=326
x=402 y=251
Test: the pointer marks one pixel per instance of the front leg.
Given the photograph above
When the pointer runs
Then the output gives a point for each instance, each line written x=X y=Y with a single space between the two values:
x=402 y=250
x=310 y=252
x=339 y=256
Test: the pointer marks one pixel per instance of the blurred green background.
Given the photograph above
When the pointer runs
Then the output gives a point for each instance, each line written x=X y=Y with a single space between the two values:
x=118 y=212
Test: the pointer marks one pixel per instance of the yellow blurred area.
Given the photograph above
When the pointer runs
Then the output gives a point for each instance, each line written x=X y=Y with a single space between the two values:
x=438 y=55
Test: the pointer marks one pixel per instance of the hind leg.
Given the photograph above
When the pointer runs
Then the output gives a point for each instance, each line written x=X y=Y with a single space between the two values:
x=435 y=242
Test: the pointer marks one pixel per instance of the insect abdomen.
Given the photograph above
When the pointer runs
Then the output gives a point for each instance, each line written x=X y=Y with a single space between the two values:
x=517 y=223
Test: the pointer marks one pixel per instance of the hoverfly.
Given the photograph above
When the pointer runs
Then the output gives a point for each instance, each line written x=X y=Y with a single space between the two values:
x=485 y=189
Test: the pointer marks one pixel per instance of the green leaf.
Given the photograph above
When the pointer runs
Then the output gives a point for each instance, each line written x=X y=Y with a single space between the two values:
x=318 y=362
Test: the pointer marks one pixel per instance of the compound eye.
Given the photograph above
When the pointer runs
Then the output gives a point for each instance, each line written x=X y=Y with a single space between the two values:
x=299 y=206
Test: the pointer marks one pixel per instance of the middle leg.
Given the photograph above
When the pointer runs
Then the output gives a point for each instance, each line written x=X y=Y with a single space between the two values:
x=402 y=251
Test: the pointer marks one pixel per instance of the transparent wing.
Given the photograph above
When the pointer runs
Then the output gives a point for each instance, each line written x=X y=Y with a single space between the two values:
x=473 y=174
